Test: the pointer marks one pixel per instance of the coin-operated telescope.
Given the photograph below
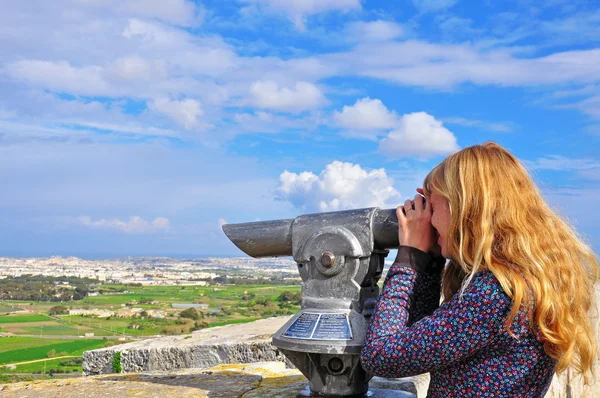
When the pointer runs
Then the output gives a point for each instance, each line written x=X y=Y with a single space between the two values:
x=340 y=257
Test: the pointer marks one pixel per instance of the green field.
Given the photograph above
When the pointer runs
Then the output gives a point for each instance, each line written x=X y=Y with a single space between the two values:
x=19 y=343
x=112 y=326
x=233 y=304
x=39 y=351
x=214 y=296
x=46 y=366
x=23 y=318
x=227 y=304
x=52 y=330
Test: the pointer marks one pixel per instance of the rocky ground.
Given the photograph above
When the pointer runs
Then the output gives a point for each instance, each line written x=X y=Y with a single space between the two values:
x=259 y=380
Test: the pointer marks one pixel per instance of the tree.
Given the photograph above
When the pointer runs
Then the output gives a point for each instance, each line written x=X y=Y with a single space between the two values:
x=200 y=325
x=289 y=297
x=146 y=300
x=58 y=310
x=190 y=313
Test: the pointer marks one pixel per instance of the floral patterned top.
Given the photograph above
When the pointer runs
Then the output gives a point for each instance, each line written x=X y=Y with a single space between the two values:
x=463 y=343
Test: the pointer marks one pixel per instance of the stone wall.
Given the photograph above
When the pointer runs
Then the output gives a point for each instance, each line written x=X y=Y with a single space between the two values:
x=233 y=344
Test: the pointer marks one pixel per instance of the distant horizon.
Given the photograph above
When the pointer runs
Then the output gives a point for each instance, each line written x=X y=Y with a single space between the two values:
x=179 y=256
x=115 y=256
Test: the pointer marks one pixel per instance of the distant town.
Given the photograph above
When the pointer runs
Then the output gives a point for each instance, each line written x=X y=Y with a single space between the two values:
x=154 y=270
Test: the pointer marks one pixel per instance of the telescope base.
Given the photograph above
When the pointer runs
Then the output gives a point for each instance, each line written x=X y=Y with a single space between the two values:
x=372 y=393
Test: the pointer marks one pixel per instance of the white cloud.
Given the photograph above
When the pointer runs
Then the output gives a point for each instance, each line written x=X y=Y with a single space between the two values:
x=433 y=5
x=125 y=76
x=141 y=57
x=177 y=12
x=298 y=10
x=420 y=135
x=454 y=28
x=578 y=205
x=135 y=225
x=562 y=163
x=184 y=112
x=267 y=122
x=581 y=27
x=500 y=127
x=591 y=173
x=137 y=68
x=194 y=55
x=7 y=114
x=144 y=59
x=340 y=186
x=268 y=95
x=375 y=31
x=366 y=114
x=418 y=63
x=590 y=106
x=60 y=76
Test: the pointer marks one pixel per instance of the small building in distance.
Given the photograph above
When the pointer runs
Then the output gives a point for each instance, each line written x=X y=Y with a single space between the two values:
x=185 y=306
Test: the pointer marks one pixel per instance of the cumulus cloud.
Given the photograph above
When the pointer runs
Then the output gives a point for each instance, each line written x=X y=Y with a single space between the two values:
x=340 y=186
x=135 y=225
x=137 y=68
x=375 y=31
x=191 y=54
x=421 y=135
x=120 y=77
x=298 y=10
x=366 y=114
x=268 y=95
x=184 y=112
x=60 y=76
x=433 y=5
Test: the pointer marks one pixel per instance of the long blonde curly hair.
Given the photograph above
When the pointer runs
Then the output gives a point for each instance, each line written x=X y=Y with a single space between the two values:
x=500 y=222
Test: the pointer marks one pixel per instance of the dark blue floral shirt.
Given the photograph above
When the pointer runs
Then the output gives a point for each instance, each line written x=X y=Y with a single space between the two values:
x=463 y=343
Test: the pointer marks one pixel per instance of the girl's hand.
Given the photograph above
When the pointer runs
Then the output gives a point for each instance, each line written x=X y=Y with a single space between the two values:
x=435 y=250
x=414 y=225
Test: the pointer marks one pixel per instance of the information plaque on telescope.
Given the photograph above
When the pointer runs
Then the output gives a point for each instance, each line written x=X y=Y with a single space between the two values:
x=320 y=326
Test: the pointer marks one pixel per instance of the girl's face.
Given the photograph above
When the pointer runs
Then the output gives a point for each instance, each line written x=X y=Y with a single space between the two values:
x=440 y=219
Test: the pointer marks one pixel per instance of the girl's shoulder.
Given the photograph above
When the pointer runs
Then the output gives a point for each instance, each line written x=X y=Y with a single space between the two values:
x=487 y=292
x=483 y=293
x=485 y=282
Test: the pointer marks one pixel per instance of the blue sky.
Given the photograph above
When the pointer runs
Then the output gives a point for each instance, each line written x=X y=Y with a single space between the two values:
x=132 y=127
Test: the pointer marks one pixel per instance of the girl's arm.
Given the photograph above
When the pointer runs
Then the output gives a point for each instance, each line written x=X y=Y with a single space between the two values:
x=427 y=291
x=456 y=330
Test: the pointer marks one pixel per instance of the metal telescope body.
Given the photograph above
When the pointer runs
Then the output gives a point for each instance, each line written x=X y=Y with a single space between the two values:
x=340 y=257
